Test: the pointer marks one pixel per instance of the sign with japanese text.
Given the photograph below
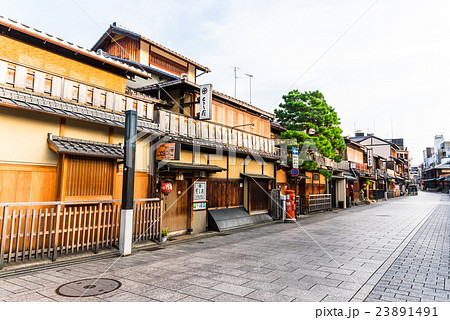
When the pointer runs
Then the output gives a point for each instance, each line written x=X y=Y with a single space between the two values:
x=295 y=158
x=199 y=191
x=205 y=101
x=168 y=151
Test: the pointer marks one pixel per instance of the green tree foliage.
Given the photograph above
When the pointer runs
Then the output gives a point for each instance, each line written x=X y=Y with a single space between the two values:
x=309 y=119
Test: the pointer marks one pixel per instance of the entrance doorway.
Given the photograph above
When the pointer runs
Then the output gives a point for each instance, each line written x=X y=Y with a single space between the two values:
x=177 y=208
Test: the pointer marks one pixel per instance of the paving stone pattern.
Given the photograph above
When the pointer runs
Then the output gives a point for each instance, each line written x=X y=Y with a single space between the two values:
x=329 y=257
x=422 y=270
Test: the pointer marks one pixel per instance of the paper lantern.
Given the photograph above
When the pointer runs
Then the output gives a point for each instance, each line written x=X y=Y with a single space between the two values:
x=166 y=188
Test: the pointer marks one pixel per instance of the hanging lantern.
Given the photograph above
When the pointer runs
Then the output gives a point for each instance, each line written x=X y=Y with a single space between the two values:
x=364 y=185
x=166 y=188
x=351 y=186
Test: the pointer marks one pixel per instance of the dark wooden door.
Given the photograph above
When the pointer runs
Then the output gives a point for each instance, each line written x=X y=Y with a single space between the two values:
x=258 y=195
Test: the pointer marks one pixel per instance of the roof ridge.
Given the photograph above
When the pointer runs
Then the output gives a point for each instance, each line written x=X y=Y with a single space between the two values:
x=12 y=23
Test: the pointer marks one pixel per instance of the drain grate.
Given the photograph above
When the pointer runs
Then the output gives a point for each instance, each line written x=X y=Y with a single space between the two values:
x=88 y=287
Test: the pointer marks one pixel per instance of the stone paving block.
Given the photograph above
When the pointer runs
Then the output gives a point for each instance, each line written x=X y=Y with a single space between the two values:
x=290 y=283
x=330 y=298
x=230 y=279
x=349 y=285
x=303 y=295
x=202 y=282
x=11 y=287
x=267 y=296
x=165 y=295
x=127 y=297
x=29 y=297
x=226 y=297
x=338 y=292
x=321 y=280
x=233 y=289
x=192 y=299
x=200 y=292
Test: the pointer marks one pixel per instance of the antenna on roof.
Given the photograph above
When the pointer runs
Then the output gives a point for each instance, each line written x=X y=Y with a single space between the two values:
x=235 y=77
x=250 y=76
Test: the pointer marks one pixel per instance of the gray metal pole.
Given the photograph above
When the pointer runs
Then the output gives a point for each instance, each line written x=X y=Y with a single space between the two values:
x=127 y=212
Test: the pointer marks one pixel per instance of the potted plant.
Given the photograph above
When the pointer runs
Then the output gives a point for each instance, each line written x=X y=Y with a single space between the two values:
x=164 y=235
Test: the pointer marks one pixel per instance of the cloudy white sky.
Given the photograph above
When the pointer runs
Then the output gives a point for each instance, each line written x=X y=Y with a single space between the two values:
x=389 y=74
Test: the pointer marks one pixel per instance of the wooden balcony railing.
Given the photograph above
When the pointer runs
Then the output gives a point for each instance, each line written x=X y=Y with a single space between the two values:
x=35 y=230
x=38 y=81
x=185 y=126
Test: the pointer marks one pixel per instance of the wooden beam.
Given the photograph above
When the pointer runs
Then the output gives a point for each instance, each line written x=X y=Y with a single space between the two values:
x=111 y=135
x=62 y=127
x=63 y=170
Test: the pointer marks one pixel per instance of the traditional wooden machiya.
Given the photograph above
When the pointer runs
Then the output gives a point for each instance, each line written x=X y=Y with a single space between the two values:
x=62 y=114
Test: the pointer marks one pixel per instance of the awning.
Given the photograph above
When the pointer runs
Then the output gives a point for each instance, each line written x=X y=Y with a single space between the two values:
x=349 y=177
x=256 y=176
x=337 y=177
x=191 y=166
x=84 y=147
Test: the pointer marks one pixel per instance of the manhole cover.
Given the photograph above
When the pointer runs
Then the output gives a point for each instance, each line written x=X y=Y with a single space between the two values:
x=88 y=287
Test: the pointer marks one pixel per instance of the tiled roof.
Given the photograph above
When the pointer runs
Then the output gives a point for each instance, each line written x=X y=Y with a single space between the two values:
x=84 y=147
x=257 y=176
x=116 y=27
x=65 y=109
x=69 y=45
x=241 y=103
x=192 y=166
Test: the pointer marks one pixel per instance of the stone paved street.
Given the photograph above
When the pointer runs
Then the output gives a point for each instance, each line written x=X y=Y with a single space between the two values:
x=392 y=250
x=422 y=271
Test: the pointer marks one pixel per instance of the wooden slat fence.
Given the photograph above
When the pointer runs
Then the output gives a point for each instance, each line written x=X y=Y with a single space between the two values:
x=48 y=229
x=313 y=203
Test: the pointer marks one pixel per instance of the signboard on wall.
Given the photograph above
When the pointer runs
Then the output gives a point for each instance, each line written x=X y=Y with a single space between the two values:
x=199 y=191
x=199 y=206
x=168 y=151
x=369 y=157
x=205 y=101
x=295 y=158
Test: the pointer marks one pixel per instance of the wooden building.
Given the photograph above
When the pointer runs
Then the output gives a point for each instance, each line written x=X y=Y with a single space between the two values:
x=231 y=151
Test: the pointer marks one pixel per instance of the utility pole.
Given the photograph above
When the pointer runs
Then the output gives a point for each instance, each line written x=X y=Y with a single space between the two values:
x=235 y=77
x=250 y=76
x=127 y=211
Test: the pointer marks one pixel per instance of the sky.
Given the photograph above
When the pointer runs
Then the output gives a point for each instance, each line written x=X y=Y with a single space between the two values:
x=383 y=65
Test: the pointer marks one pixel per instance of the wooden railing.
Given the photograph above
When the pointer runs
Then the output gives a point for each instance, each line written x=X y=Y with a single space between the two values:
x=185 y=126
x=24 y=77
x=47 y=229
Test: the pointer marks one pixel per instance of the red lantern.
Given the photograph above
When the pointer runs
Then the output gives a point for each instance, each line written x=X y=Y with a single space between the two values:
x=166 y=188
x=364 y=185
x=351 y=186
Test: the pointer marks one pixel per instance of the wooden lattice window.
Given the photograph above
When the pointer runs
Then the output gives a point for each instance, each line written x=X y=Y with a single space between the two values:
x=90 y=176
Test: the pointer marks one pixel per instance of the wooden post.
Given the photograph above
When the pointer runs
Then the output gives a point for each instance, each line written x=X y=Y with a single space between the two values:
x=161 y=213
x=98 y=227
x=3 y=240
x=63 y=177
x=56 y=237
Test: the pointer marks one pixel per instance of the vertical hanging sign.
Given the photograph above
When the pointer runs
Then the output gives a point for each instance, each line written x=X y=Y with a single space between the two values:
x=295 y=158
x=205 y=101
